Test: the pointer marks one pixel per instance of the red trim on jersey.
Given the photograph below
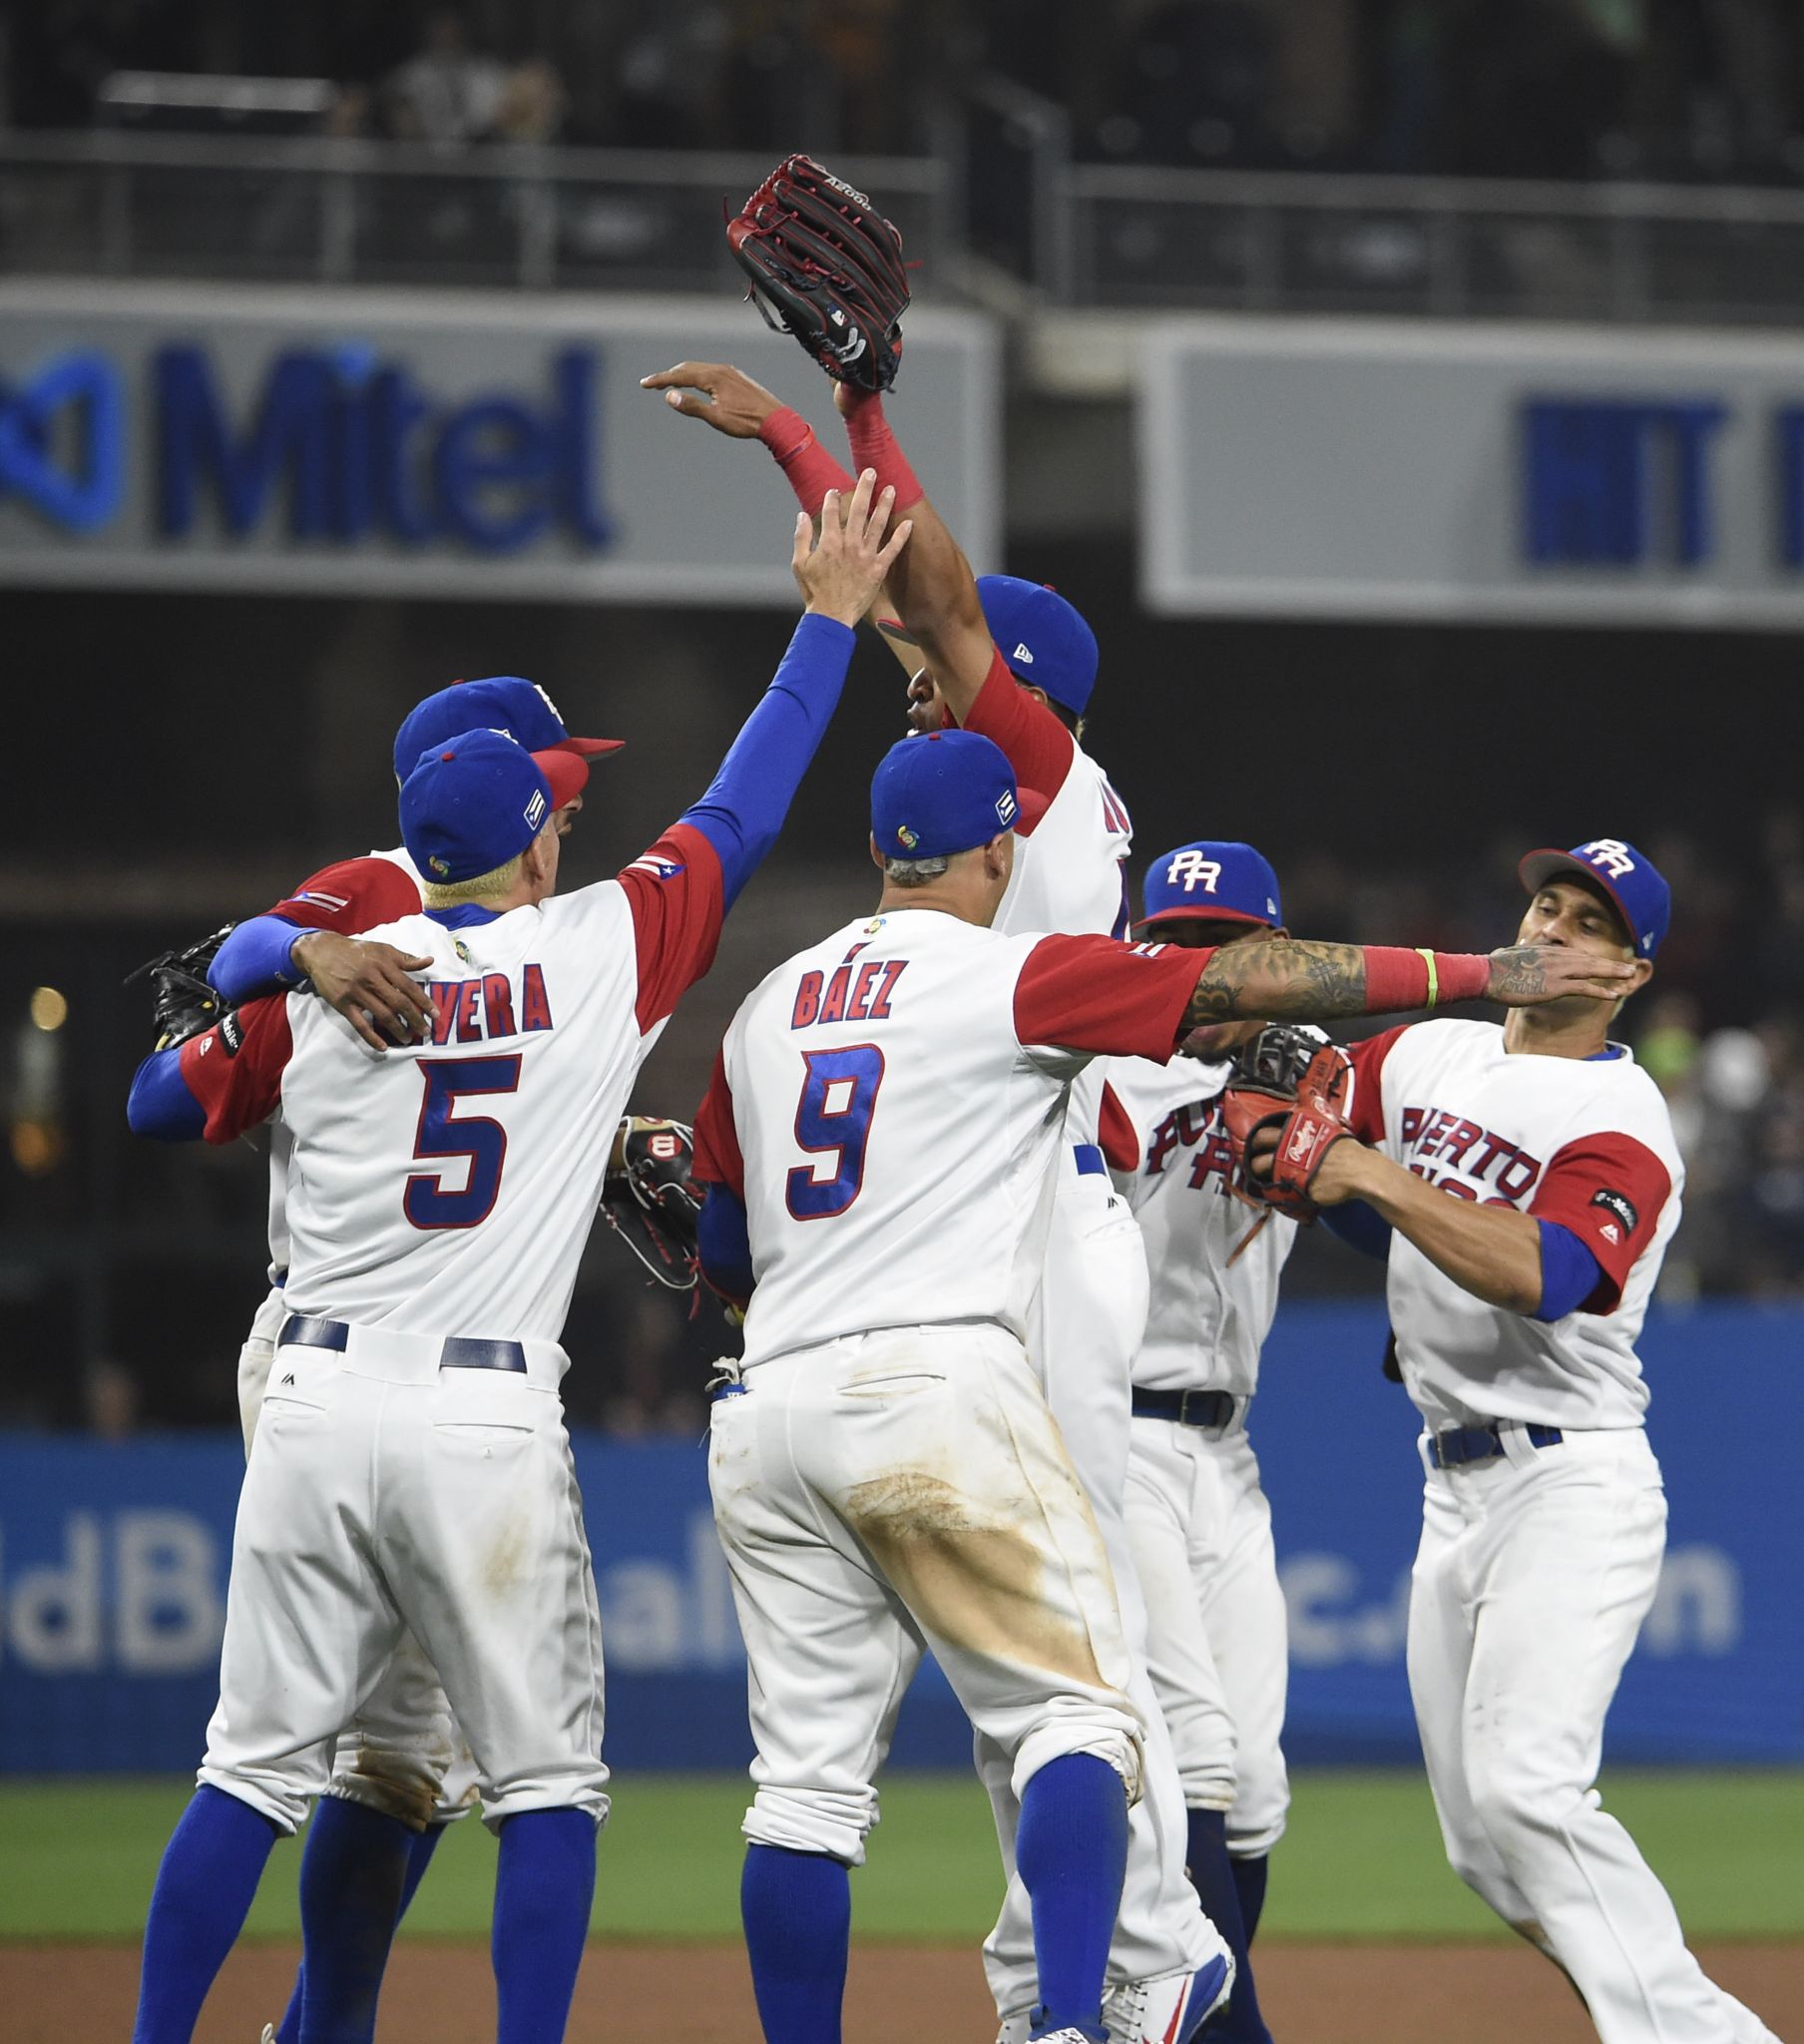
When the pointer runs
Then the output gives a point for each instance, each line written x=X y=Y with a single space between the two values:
x=718 y=1161
x=1090 y=993
x=1609 y=1190
x=355 y=895
x=1366 y=1112
x=1036 y=744
x=242 y=1087
x=811 y=470
x=1118 y=1138
x=678 y=899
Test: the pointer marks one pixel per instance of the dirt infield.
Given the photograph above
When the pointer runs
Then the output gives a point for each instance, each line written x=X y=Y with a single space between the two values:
x=900 y=1994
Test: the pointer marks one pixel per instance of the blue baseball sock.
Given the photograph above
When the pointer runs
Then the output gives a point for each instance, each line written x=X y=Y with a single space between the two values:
x=544 y=1885
x=351 y=1876
x=421 y=1847
x=798 y=1913
x=1249 y=1878
x=1211 y=1874
x=1071 y=1850
x=205 y=1887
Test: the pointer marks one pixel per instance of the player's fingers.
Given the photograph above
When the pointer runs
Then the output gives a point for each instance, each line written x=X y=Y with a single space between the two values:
x=804 y=541
x=832 y=522
x=686 y=402
x=412 y=964
x=859 y=510
x=697 y=376
x=877 y=520
x=364 y=1027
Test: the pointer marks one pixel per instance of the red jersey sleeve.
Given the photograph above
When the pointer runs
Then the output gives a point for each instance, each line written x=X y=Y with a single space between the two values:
x=1367 y=1111
x=1609 y=1190
x=1090 y=993
x=1038 y=746
x=235 y=1069
x=679 y=902
x=1116 y=1135
x=717 y=1159
x=355 y=895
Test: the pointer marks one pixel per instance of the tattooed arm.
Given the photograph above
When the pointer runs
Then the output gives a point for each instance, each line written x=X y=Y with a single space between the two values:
x=1293 y=980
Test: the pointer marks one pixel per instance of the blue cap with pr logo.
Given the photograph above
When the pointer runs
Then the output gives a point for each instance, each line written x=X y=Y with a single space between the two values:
x=1211 y=880
x=1042 y=638
x=1630 y=879
x=940 y=793
x=471 y=805
x=503 y=703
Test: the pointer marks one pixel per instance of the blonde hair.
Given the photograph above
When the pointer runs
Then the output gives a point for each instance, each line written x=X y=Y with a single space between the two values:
x=481 y=888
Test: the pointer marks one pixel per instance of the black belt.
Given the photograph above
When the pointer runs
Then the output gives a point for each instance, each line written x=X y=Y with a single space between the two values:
x=457 y=1352
x=1188 y=1408
x=1482 y=1443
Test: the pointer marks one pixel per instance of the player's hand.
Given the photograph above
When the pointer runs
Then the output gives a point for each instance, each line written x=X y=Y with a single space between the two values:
x=840 y=570
x=1336 y=1179
x=369 y=984
x=1524 y=975
x=718 y=394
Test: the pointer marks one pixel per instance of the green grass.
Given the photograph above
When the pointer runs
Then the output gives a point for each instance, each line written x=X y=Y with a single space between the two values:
x=1362 y=1860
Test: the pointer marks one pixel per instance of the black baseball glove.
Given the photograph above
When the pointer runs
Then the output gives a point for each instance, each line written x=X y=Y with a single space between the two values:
x=184 y=1003
x=827 y=267
x=1295 y=1081
x=649 y=1200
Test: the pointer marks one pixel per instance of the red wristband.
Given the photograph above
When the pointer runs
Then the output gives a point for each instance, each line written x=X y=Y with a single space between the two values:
x=1397 y=979
x=811 y=470
x=874 y=446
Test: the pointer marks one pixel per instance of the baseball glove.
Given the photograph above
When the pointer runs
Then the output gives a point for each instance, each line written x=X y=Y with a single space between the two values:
x=650 y=1200
x=1292 y=1081
x=827 y=268
x=184 y=1004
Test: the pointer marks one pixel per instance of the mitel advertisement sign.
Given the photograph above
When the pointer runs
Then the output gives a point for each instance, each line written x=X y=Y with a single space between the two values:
x=421 y=443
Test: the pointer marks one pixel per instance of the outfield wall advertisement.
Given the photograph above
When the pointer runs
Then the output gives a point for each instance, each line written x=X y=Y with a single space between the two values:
x=426 y=444
x=113 y=1572
x=1431 y=470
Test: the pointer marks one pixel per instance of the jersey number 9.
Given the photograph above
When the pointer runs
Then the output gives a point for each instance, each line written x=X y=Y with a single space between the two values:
x=833 y=1119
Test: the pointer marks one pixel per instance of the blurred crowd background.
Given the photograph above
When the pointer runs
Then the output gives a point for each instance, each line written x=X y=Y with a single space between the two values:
x=1568 y=89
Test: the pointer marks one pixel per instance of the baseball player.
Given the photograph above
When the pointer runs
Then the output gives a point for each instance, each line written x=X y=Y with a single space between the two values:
x=1530 y=1183
x=1016 y=663
x=883 y=1134
x=1196 y=1518
x=395 y=1761
x=410 y=1468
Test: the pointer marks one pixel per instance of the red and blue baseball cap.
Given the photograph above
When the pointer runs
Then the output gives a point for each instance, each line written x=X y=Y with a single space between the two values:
x=507 y=703
x=939 y=793
x=1628 y=877
x=1042 y=638
x=471 y=804
x=1211 y=880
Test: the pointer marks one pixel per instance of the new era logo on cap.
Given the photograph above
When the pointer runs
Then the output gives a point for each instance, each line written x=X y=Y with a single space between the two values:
x=1212 y=880
x=1022 y=653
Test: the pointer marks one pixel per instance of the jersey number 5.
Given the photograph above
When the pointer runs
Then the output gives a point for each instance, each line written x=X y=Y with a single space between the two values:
x=479 y=1142
x=833 y=1118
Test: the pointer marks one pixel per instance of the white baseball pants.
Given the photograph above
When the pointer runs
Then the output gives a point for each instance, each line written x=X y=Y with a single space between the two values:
x=1216 y=1646
x=402 y=1756
x=892 y=1491
x=1533 y=1574
x=385 y=1495
x=1088 y=1320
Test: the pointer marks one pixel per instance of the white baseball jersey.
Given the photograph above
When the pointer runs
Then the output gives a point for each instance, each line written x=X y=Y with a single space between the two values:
x=1586 y=1143
x=1070 y=843
x=1210 y=1316
x=889 y=1108
x=351 y=898
x=448 y=1186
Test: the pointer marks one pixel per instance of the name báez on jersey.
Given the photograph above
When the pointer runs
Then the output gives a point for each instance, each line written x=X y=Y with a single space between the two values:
x=841 y=996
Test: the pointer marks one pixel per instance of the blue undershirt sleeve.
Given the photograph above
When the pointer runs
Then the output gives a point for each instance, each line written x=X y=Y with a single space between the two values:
x=723 y=1243
x=743 y=809
x=1569 y=1273
x=254 y=960
x=160 y=1105
x=1359 y=1227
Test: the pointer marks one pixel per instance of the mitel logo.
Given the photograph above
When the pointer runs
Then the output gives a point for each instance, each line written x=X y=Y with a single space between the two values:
x=62 y=440
x=358 y=448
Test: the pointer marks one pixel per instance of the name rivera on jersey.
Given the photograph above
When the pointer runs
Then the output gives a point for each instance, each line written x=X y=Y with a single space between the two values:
x=474 y=1010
